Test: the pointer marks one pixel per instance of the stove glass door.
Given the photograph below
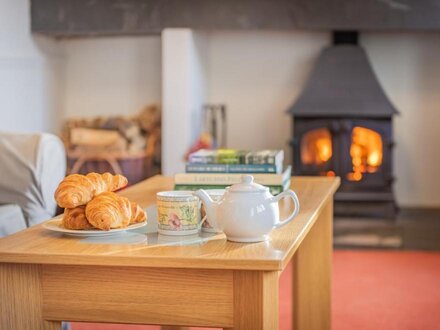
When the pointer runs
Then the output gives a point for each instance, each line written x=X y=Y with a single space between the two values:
x=367 y=154
x=317 y=151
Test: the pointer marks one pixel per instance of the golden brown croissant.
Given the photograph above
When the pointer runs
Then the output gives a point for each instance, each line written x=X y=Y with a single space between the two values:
x=137 y=213
x=76 y=218
x=77 y=189
x=108 y=210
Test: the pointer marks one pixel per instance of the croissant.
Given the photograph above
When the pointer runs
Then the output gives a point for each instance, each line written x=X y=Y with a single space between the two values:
x=77 y=189
x=137 y=213
x=109 y=210
x=76 y=219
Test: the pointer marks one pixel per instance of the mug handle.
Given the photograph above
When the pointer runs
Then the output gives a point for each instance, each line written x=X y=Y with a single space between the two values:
x=199 y=227
x=291 y=194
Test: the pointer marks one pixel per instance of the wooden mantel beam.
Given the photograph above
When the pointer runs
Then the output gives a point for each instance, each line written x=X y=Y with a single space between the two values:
x=69 y=18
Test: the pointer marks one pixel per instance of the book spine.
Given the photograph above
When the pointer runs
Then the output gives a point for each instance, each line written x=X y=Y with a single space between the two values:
x=252 y=168
x=198 y=186
x=206 y=168
x=274 y=190
x=225 y=178
x=199 y=159
x=228 y=160
x=231 y=168
x=218 y=160
x=270 y=157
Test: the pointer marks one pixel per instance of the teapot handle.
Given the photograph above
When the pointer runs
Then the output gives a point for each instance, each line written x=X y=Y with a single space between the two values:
x=291 y=194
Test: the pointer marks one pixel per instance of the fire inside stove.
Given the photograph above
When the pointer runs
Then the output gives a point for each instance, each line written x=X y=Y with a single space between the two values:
x=366 y=151
x=316 y=147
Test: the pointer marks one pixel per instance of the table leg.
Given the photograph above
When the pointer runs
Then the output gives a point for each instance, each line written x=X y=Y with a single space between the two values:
x=312 y=269
x=21 y=301
x=255 y=300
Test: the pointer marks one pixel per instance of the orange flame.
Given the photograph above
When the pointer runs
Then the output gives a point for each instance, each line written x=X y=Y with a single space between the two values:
x=366 y=152
x=316 y=147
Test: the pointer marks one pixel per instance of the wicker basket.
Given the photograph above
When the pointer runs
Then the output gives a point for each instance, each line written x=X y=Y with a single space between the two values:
x=135 y=166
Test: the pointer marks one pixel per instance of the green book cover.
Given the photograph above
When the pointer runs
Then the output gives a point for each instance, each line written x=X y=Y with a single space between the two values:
x=267 y=179
x=234 y=156
x=274 y=190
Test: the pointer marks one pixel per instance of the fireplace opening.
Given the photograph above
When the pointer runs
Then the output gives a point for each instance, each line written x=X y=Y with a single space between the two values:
x=366 y=152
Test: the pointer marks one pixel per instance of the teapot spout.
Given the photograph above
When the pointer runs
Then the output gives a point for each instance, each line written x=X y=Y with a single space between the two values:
x=210 y=207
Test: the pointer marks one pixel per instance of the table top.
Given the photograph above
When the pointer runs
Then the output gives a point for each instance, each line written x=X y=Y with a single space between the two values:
x=38 y=245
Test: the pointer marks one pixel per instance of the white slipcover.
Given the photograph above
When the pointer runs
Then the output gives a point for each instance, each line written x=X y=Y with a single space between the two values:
x=31 y=166
x=11 y=219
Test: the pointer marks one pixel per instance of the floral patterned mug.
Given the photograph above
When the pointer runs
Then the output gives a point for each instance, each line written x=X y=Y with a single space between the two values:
x=178 y=213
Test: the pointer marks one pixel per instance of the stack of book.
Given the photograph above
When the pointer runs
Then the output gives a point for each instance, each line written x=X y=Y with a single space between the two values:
x=217 y=169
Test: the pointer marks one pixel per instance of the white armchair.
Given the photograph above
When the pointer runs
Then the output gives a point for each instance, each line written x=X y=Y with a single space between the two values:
x=31 y=166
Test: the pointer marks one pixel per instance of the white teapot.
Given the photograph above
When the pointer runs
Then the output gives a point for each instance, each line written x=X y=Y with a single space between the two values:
x=247 y=212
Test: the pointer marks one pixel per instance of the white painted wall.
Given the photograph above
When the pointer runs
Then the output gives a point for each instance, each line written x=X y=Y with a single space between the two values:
x=111 y=76
x=30 y=73
x=258 y=75
x=183 y=94
x=408 y=67
x=43 y=81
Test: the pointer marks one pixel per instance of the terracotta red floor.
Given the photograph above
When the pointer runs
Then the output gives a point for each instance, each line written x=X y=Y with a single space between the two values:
x=371 y=290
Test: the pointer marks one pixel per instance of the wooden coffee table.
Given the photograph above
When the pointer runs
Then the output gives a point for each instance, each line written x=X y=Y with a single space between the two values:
x=46 y=277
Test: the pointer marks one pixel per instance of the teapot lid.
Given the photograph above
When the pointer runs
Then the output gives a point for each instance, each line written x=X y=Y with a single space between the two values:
x=247 y=184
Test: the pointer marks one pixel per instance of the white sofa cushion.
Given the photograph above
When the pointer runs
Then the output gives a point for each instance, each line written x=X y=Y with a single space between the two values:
x=11 y=219
x=31 y=166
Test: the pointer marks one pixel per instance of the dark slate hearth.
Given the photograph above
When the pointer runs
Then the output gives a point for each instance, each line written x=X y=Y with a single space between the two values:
x=413 y=229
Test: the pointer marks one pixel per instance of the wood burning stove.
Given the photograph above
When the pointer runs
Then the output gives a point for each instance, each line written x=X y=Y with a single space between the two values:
x=342 y=125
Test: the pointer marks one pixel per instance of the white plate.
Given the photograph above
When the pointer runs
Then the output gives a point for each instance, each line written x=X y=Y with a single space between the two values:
x=55 y=225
